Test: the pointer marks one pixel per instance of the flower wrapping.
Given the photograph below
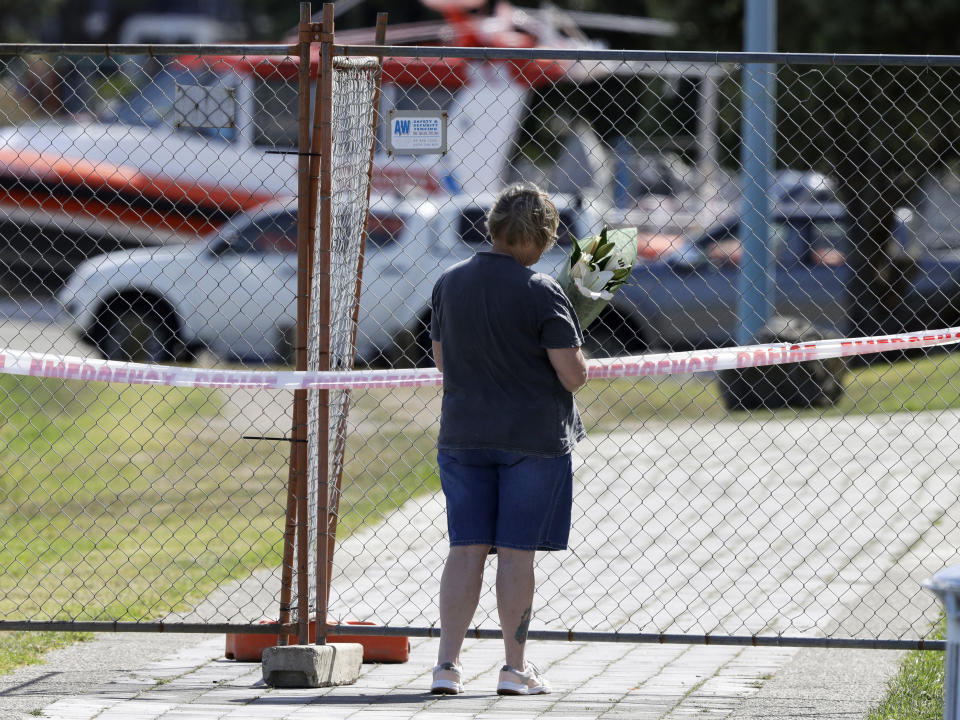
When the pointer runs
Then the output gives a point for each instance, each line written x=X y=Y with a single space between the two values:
x=597 y=266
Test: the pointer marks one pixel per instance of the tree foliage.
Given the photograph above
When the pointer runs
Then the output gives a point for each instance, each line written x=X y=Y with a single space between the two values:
x=24 y=21
x=878 y=26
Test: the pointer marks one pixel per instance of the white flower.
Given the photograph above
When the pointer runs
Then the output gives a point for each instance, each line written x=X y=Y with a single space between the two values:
x=577 y=270
x=592 y=294
x=593 y=284
x=591 y=281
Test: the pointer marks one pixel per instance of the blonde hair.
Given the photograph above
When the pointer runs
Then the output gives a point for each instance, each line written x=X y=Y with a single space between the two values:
x=523 y=212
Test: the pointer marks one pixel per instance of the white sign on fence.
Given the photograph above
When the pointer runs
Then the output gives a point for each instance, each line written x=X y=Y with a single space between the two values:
x=415 y=132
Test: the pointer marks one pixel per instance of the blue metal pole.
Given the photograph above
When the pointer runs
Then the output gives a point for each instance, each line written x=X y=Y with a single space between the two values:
x=623 y=152
x=946 y=586
x=756 y=161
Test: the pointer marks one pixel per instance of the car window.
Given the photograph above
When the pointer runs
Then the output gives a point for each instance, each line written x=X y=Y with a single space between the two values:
x=275 y=105
x=384 y=229
x=827 y=242
x=267 y=234
x=814 y=242
x=818 y=241
x=567 y=229
x=721 y=248
x=278 y=234
x=151 y=103
x=472 y=227
x=782 y=237
x=724 y=249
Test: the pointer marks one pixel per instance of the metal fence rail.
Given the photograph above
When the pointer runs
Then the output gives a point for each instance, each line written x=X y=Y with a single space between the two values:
x=148 y=213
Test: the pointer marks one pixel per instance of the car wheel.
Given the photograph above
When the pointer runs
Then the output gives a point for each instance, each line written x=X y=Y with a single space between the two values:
x=135 y=332
x=612 y=335
x=422 y=351
x=809 y=384
x=411 y=347
x=415 y=348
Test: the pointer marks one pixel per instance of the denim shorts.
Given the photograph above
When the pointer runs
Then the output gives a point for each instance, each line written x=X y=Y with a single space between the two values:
x=507 y=499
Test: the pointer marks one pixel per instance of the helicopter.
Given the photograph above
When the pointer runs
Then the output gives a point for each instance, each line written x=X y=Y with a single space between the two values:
x=129 y=173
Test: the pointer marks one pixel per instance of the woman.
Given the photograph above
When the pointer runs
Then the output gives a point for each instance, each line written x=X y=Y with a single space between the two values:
x=508 y=343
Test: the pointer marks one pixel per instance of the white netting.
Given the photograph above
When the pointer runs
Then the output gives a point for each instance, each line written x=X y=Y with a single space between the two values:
x=354 y=91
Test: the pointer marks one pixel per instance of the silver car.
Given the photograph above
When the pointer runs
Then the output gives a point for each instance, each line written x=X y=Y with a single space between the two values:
x=233 y=293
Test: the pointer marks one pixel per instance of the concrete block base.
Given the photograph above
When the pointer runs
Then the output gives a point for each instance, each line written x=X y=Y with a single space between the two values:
x=311 y=666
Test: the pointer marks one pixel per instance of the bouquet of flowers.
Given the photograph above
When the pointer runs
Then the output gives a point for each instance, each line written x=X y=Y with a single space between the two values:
x=597 y=266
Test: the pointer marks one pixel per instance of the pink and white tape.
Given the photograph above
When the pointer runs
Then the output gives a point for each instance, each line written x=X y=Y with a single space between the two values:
x=23 y=362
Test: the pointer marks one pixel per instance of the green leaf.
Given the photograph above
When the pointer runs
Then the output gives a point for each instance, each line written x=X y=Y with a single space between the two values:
x=603 y=251
x=591 y=245
x=621 y=273
x=575 y=254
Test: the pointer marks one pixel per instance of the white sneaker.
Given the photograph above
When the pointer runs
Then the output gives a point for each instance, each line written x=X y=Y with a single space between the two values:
x=447 y=679
x=528 y=682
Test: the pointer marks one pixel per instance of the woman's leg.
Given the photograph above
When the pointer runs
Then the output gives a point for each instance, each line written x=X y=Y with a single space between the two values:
x=515 y=584
x=459 y=595
x=535 y=500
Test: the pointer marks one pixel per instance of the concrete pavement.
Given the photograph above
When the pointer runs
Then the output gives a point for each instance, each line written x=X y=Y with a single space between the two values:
x=590 y=680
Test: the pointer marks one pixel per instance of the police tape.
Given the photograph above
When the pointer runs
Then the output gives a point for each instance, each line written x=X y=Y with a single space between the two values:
x=23 y=362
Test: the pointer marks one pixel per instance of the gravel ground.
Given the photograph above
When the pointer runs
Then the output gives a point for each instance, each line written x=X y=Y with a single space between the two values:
x=78 y=669
x=824 y=684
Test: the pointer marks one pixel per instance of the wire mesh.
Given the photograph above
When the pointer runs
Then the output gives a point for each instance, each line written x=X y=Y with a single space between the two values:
x=354 y=90
x=809 y=499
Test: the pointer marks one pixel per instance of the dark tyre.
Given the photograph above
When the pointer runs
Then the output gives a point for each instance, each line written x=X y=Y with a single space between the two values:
x=815 y=383
x=135 y=332
x=411 y=347
x=418 y=352
x=612 y=335
x=422 y=351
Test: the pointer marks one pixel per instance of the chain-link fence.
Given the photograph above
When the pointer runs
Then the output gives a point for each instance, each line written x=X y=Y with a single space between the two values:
x=148 y=214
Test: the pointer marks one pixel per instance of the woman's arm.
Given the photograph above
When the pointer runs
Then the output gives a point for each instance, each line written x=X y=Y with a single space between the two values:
x=438 y=355
x=569 y=365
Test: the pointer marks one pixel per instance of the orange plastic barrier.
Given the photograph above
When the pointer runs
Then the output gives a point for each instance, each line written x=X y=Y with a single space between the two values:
x=249 y=647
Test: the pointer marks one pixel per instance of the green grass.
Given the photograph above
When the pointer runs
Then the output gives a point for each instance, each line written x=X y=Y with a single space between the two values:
x=916 y=693
x=630 y=402
x=128 y=502
x=124 y=502
x=27 y=648
x=930 y=383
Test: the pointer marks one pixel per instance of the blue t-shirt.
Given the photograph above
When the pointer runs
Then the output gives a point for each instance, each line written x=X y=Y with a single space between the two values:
x=494 y=319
